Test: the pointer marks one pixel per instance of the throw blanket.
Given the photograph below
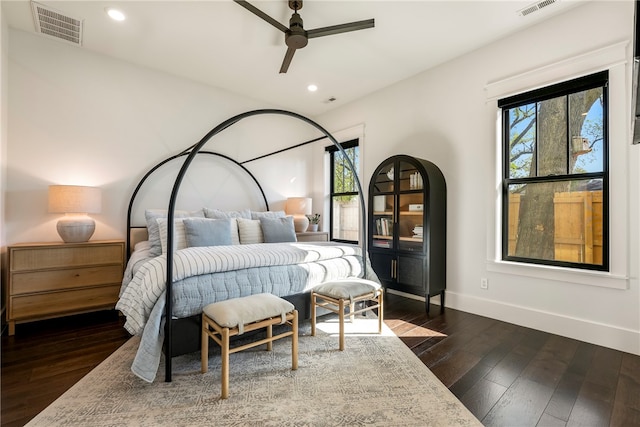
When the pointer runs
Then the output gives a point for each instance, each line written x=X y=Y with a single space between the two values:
x=202 y=275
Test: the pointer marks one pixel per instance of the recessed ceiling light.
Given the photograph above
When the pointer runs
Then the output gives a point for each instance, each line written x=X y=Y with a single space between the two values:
x=115 y=14
x=312 y=88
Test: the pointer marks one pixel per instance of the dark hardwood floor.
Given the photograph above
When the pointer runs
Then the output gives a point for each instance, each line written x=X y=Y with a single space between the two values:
x=505 y=374
x=44 y=359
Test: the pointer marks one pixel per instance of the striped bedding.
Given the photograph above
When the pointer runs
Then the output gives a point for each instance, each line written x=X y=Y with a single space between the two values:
x=203 y=275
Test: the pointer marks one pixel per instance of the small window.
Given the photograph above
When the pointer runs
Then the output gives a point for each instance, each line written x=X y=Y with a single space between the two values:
x=344 y=200
x=555 y=175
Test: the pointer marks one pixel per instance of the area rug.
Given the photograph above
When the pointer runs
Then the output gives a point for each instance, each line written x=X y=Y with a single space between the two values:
x=376 y=381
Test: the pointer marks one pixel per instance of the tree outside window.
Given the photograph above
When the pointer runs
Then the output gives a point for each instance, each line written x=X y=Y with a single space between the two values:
x=555 y=198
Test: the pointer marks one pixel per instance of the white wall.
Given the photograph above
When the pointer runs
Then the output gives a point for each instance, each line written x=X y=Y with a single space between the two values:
x=3 y=139
x=80 y=118
x=445 y=115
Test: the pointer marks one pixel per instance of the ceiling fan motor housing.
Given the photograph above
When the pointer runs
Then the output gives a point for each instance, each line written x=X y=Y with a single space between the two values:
x=296 y=37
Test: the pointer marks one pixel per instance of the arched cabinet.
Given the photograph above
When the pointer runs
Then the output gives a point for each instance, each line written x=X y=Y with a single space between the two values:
x=407 y=226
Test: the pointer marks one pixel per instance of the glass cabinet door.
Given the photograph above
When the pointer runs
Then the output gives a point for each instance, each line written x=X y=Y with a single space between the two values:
x=409 y=178
x=383 y=217
x=383 y=207
x=410 y=222
x=410 y=208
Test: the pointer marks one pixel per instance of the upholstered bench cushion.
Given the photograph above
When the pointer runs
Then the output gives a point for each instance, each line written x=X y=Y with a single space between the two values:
x=241 y=311
x=346 y=288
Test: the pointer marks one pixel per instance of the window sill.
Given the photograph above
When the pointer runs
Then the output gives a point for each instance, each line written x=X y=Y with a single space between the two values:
x=561 y=274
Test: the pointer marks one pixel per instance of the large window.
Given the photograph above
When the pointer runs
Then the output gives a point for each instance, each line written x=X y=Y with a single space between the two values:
x=345 y=205
x=555 y=175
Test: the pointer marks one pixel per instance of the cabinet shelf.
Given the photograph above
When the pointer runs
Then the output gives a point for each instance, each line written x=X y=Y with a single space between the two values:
x=381 y=236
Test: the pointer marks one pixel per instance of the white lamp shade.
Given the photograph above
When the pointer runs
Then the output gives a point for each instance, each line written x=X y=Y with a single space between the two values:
x=299 y=207
x=75 y=202
x=74 y=199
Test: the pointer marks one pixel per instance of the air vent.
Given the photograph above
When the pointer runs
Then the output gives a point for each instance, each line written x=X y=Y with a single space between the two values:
x=54 y=23
x=536 y=7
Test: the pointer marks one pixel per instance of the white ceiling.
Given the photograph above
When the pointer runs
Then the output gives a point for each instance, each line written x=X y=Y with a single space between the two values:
x=222 y=44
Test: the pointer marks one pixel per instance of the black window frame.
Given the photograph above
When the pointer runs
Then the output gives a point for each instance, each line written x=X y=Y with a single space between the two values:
x=599 y=79
x=332 y=149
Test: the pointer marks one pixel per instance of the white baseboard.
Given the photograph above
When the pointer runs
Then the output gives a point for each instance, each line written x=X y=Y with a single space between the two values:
x=609 y=336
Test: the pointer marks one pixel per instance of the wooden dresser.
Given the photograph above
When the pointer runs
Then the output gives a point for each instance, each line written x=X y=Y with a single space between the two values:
x=48 y=280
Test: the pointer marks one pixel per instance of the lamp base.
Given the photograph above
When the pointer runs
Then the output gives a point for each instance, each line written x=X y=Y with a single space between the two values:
x=76 y=229
x=300 y=223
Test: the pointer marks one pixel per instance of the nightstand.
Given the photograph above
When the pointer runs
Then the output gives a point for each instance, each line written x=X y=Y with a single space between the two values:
x=313 y=236
x=48 y=280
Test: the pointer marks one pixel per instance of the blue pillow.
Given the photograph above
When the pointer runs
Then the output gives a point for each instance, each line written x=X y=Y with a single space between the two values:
x=276 y=230
x=207 y=232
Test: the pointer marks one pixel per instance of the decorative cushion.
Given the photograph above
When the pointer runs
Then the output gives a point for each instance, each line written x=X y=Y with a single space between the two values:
x=220 y=214
x=267 y=214
x=235 y=234
x=241 y=311
x=349 y=288
x=207 y=231
x=179 y=235
x=276 y=230
x=233 y=215
x=250 y=231
x=151 y=216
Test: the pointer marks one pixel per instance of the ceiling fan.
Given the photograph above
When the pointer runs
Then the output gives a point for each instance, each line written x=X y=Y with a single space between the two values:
x=296 y=37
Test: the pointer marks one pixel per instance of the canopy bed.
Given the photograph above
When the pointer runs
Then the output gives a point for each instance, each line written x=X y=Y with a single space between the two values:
x=211 y=255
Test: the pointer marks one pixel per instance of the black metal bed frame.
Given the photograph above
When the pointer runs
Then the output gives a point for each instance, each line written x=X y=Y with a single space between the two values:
x=189 y=154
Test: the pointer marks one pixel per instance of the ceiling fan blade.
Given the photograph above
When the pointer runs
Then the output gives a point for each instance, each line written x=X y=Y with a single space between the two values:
x=341 y=28
x=287 y=60
x=251 y=8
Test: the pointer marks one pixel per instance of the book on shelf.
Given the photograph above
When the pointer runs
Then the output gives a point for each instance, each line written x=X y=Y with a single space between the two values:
x=382 y=243
x=384 y=226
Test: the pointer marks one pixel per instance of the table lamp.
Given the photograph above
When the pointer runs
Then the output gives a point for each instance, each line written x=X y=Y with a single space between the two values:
x=299 y=207
x=75 y=202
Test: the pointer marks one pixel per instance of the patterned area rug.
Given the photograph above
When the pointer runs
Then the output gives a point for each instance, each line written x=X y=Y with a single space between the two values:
x=376 y=381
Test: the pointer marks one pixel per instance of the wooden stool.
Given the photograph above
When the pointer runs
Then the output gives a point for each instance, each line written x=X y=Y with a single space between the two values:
x=224 y=319
x=337 y=295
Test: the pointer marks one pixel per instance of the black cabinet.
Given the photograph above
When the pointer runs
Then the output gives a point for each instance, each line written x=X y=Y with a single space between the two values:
x=408 y=226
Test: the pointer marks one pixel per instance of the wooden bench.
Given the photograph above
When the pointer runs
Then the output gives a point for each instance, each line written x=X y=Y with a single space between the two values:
x=338 y=295
x=224 y=319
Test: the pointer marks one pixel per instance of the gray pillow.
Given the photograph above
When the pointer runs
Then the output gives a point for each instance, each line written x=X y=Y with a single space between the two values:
x=267 y=214
x=276 y=230
x=207 y=232
x=152 y=215
x=220 y=214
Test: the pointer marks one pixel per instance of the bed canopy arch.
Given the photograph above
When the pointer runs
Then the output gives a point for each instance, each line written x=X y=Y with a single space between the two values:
x=159 y=165
x=189 y=155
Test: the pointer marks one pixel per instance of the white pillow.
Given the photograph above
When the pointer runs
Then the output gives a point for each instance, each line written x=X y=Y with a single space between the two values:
x=235 y=235
x=179 y=234
x=250 y=231
x=151 y=216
